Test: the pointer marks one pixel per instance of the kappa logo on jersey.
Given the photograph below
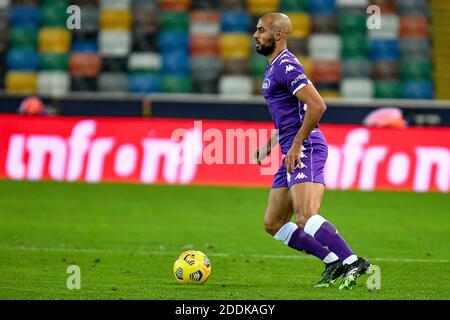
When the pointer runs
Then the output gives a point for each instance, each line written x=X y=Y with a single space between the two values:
x=300 y=176
x=284 y=60
x=266 y=84
x=289 y=68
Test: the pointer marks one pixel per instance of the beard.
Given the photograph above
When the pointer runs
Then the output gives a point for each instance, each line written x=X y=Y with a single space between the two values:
x=268 y=48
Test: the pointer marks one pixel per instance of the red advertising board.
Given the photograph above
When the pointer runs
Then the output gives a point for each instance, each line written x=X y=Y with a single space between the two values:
x=209 y=152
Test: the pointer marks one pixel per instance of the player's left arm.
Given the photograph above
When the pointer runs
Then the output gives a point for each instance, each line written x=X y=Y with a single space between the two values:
x=315 y=109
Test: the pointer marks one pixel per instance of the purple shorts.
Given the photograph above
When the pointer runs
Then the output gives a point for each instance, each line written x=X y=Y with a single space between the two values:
x=314 y=156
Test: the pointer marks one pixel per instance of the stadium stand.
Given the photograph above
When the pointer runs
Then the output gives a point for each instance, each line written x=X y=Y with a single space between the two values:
x=204 y=46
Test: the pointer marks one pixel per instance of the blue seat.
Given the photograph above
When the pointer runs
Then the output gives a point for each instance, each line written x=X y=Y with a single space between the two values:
x=144 y=83
x=418 y=90
x=84 y=46
x=173 y=40
x=387 y=50
x=23 y=60
x=322 y=7
x=175 y=62
x=25 y=16
x=235 y=22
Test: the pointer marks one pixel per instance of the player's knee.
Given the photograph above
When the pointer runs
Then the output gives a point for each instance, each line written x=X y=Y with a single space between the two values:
x=272 y=227
x=304 y=215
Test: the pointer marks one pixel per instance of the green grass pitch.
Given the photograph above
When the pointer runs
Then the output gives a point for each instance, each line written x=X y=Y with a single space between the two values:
x=125 y=238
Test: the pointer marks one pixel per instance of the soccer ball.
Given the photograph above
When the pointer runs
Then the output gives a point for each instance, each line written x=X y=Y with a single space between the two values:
x=192 y=267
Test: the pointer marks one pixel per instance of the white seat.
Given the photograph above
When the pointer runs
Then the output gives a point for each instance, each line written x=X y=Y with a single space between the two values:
x=357 y=88
x=53 y=83
x=144 y=61
x=4 y=4
x=236 y=85
x=113 y=82
x=324 y=47
x=115 y=4
x=390 y=25
x=352 y=3
x=115 y=43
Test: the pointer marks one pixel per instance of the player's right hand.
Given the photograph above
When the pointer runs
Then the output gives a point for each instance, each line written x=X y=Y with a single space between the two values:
x=260 y=154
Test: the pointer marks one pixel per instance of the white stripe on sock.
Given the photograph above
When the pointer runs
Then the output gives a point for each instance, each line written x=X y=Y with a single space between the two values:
x=285 y=232
x=313 y=224
x=350 y=259
x=331 y=257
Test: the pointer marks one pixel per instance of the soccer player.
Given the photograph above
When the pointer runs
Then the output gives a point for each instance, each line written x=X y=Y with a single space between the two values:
x=298 y=188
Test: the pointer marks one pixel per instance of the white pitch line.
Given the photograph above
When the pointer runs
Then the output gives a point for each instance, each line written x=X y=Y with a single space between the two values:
x=212 y=254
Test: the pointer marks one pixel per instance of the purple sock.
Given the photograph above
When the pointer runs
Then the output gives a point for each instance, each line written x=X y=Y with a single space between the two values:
x=328 y=236
x=304 y=242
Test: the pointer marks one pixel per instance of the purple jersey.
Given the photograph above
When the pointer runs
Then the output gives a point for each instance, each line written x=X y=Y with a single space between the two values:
x=283 y=78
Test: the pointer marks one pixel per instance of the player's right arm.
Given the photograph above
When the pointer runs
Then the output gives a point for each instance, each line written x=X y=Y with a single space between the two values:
x=261 y=153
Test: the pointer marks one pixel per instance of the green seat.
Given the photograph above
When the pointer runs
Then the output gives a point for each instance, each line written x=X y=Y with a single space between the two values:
x=54 y=14
x=24 y=38
x=175 y=21
x=53 y=61
x=417 y=69
x=352 y=23
x=294 y=5
x=176 y=84
x=354 y=45
x=388 y=90
x=258 y=65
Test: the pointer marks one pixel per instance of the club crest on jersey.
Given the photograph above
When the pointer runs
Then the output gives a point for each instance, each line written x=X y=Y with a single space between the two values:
x=289 y=68
x=266 y=84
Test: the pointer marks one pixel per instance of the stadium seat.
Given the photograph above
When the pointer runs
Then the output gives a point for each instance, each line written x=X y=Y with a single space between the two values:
x=175 y=5
x=54 y=40
x=386 y=70
x=175 y=62
x=356 y=68
x=204 y=22
x=387 y=50
x=54 y=83
x=324 y=47
x=260 y=7
x=204 y=45
x=326 y=70
x=258 y=65
x=23 y=38
x=233 y=5
x=145 y=41
x=388 y=89
x=204 y=4
x=115 y=4
x=236 y=85
x=4 y=17
x=176 y=84
x=22 y=60
x=21 y=82
x=26 y=16
x=4 y=32
x=146 y=21
x=173 y=40
x=203 y=86
x=205 y=68
x=322 y=7
x=115 y=43
x=349 y=4
x=386 y=6
x=414 y=27
x=418 y=90
x=116 y=19
x=354 y=45
x=298 y=46
x=84 y=46
x=115 y=64
x=235 y=22
x=412 y=48
x=84 y=64
x=324 y=24
x=89 y=22
x=357 y=88
x=390 y=28
x=352 y=23
x=139 y=6
x=175 y=21
x=412 y=7
x=113 y=82
x=293 y=5
x=144 y=83
x=53 y=14
x=234 y=46
x=301 y=24
x=148 y=61
x=53 y=61
x=235 y=67
x=81 y=84
x=418 y=69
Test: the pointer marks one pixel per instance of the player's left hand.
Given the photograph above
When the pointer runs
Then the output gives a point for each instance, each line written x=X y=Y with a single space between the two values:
x=293 y=156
